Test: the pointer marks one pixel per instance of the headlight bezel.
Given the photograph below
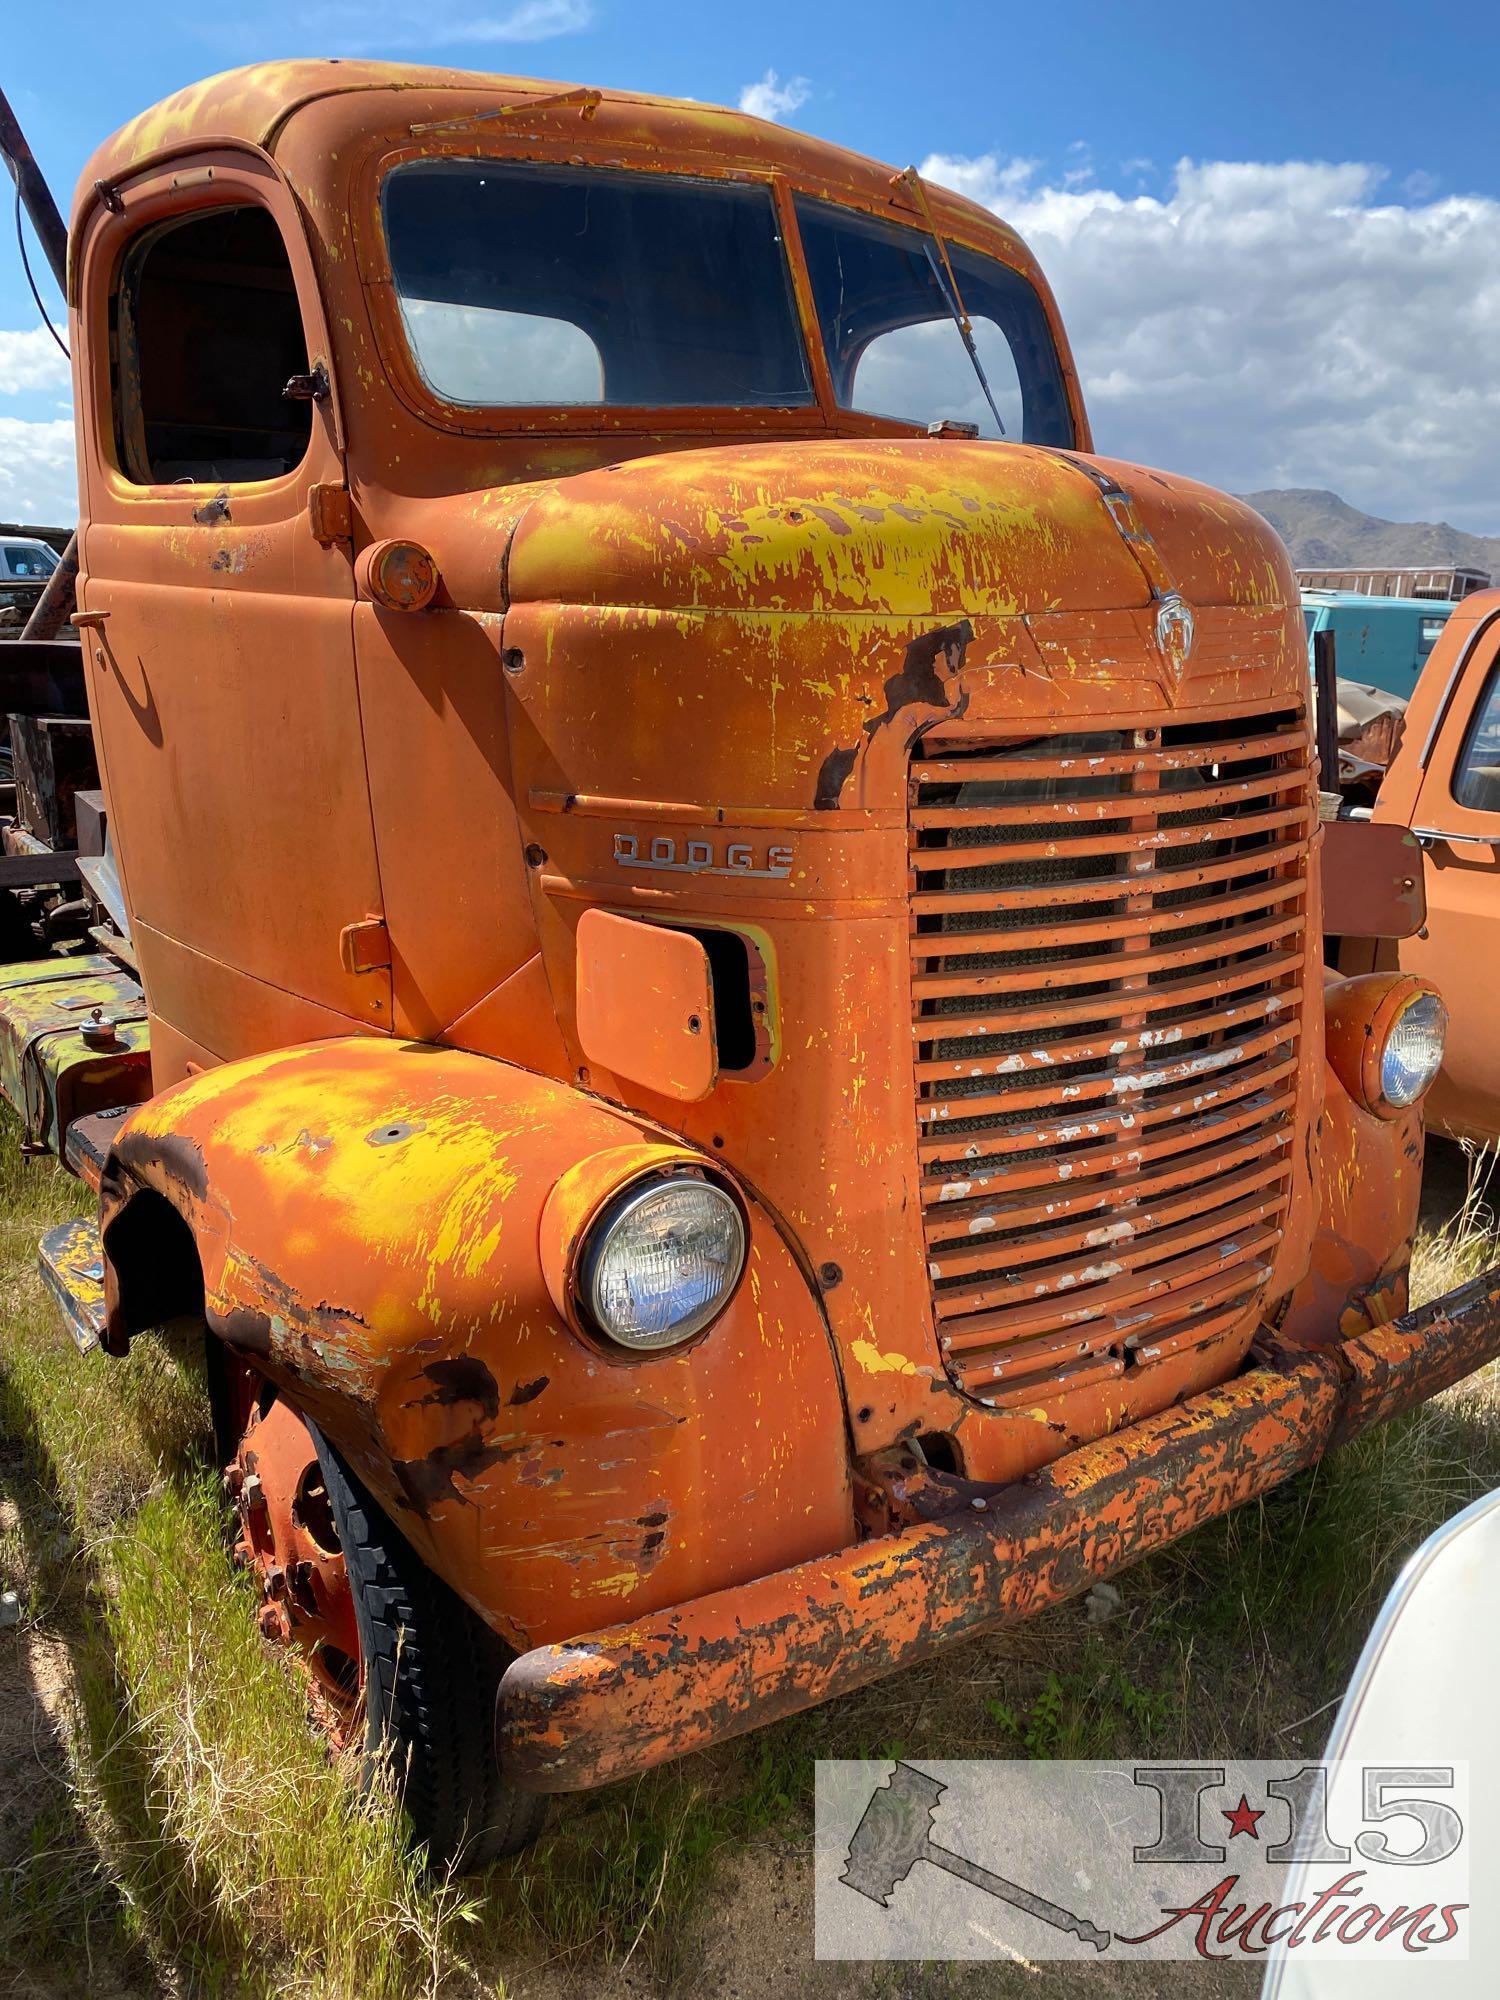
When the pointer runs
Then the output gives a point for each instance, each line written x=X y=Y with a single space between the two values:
x=1361 y=1015
x=606 y=1220
x=1426 y=996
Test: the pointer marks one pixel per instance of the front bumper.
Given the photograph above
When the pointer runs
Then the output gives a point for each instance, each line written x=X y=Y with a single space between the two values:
x=619 y=1700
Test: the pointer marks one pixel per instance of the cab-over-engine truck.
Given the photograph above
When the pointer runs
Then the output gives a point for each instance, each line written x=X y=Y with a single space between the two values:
x=741 y=1078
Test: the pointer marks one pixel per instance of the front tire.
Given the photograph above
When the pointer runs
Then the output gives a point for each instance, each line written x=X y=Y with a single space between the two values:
x=395 y=1662
x=431 y=1674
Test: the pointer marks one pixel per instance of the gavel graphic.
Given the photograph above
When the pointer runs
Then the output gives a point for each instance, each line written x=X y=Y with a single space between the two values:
x=894 y=1834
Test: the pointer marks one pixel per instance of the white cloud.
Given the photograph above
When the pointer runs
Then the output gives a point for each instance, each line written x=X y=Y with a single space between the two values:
x=37 y=482
x=773 y=99
x=357 y=26
x=1277 y=325
x=31 y=360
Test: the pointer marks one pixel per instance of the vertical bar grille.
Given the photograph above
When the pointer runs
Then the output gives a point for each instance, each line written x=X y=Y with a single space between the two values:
x=1108 y=962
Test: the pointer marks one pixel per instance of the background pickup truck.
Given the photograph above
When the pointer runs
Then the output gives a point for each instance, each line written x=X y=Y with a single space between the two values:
x=1444 y=783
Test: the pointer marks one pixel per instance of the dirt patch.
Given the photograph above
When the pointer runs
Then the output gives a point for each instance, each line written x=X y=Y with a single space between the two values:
x=34 y=1689
x=35 y=1674
x=757 y=1944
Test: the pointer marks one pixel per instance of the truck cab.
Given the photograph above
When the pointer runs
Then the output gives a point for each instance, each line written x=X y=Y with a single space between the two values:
x=728 y=917
x=1382 y=642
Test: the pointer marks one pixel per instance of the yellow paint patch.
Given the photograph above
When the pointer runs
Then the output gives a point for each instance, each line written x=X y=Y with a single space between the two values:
x=870 y=1358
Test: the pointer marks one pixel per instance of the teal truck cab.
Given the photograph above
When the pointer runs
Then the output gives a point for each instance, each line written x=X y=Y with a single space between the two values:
x=1382 y=642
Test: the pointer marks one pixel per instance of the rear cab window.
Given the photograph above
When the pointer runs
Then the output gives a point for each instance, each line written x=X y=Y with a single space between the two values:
x=1429 y=631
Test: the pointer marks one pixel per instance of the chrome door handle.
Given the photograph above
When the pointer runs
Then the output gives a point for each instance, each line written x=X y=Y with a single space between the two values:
x=1426 y=835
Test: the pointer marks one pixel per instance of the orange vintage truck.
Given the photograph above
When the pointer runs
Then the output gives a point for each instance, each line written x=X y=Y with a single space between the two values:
x=1444 y=784
x=740 y=1073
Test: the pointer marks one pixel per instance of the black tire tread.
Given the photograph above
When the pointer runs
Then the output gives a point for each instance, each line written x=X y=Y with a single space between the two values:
x=432 y=1672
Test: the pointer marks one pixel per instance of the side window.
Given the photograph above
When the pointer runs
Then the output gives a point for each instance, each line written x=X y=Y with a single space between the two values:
x=1429 y=632
x=28 y=562
x=1476 y=782
x=207 y=332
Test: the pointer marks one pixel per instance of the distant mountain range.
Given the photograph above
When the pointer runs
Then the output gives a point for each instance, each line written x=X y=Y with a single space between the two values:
x=1323 y=531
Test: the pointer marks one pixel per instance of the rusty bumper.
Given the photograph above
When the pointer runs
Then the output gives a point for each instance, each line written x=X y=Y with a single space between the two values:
x=619 y=1700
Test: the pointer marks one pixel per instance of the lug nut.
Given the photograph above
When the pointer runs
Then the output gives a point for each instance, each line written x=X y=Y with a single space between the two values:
x=275 y=1623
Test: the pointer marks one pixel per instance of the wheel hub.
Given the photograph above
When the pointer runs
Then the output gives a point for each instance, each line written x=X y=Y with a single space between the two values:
x=288 y=1537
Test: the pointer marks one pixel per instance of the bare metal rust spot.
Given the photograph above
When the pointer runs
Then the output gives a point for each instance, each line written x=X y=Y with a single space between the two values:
x=392 y=1135
x=212 y=512
x=162 y=1161
x=919 y=684
x=244 y=1327
x=462 y=1379
x=526 y=1392
x=427 y=1482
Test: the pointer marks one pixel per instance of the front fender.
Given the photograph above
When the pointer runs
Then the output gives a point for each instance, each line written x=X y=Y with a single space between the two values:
x=1370 y=1187
x=366 y=1215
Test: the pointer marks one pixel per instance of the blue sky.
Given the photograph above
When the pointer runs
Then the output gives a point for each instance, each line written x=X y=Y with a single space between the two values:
x=1306 y=302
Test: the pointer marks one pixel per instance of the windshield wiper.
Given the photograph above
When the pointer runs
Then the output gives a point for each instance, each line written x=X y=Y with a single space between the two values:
x=947 y=284
x=588 y=102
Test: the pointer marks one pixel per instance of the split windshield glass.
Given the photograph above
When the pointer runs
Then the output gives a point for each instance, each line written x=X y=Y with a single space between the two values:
x=535 y=285
x=893 y=348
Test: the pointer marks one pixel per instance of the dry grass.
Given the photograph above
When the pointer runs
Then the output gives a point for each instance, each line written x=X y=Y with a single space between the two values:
x=206 y=1830
x=203 y=1842
x=1462 y=1244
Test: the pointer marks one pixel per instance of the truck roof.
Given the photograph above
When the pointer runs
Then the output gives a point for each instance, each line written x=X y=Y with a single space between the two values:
x=254 y=104
x=1357 y=600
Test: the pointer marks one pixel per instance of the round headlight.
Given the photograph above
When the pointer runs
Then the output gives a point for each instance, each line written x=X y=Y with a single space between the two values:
x=1413 y=1052
x=1385 y=1035
x=660 y=1261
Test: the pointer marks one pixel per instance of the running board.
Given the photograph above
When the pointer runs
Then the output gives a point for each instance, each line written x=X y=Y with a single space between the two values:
x=71 y=1263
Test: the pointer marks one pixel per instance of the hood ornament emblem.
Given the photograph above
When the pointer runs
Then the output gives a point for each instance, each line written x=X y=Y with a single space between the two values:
x=1174 y=632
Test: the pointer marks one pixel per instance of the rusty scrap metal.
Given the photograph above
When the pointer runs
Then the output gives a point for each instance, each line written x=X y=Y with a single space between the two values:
x=54 y=608
x=35 y=195
x=54 y=759
x=1326 y=707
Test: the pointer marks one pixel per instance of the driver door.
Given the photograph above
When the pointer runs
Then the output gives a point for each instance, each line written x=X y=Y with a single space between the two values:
x=219 y=615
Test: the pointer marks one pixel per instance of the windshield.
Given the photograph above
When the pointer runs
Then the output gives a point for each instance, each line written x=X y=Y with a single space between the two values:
x=893 y=347
x=538 y=285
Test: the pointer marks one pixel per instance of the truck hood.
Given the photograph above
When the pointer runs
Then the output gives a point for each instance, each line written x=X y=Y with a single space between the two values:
x=916 y=528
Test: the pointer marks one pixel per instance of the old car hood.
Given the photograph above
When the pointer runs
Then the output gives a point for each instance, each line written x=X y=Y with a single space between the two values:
x=921 y=528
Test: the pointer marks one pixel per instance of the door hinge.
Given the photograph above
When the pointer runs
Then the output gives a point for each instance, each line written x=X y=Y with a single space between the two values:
x=365 y=946
x=331 y=515
x=313 y=387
